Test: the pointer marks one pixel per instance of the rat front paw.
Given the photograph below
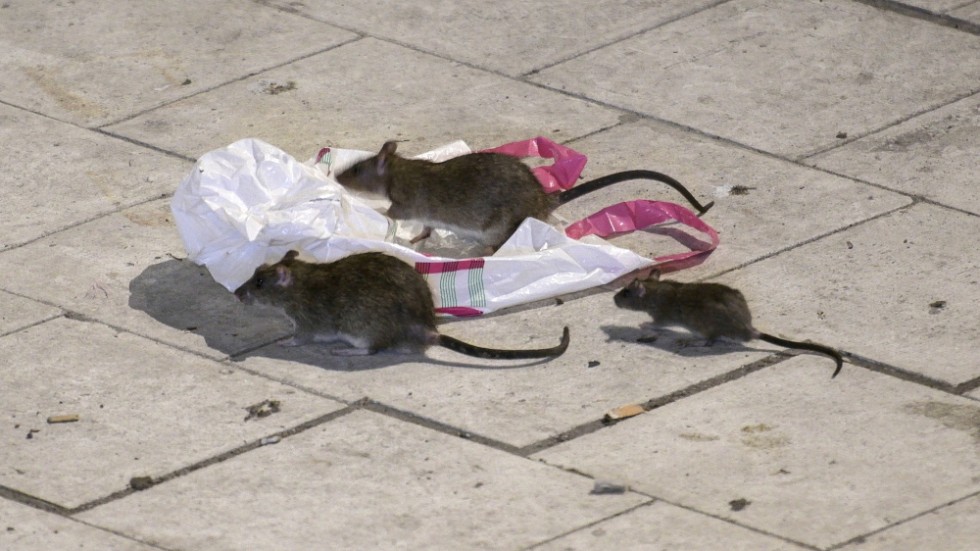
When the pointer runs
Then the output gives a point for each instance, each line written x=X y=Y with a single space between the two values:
x=293 y=341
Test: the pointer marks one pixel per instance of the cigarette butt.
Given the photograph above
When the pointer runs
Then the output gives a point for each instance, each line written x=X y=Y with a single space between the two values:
x=67 y=418
x=623 y=412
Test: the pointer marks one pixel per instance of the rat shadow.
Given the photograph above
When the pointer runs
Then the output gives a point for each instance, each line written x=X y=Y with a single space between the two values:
x=680 y=343
x=321 y=355
x=184 y=296
x=680 y=234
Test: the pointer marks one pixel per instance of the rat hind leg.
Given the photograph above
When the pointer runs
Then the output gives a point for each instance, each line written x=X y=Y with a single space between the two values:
x=356 y=346
x=352 y=351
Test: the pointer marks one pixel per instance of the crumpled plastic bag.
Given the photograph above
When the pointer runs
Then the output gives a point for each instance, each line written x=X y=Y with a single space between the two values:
x=249 y=203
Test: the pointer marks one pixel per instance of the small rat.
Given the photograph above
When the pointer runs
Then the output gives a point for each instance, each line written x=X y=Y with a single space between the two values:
x=371 y=301
x=483 y=196
x=712 y=310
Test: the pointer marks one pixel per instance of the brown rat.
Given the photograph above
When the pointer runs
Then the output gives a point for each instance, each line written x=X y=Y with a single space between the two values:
x=371 y=301
x=711 y=310
x=484 y=196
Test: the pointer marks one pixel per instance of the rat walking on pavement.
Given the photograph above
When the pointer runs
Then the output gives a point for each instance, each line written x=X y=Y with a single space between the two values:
x=711 y=310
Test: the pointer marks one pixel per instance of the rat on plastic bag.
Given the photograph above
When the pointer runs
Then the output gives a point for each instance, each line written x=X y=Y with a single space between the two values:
x=484 y=195
x=250 y=202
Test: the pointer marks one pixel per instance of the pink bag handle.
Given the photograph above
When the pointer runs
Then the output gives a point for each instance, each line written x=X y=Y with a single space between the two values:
x=641 y=214
x=616 y=219
x=561 y=174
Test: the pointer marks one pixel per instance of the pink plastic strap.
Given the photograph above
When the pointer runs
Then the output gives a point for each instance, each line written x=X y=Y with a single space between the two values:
x=324 y=151
x=562 y=174
x=641 y=214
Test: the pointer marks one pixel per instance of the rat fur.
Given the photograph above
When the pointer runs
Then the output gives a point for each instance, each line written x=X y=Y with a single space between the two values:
x=711 y=310
x=370 y=301
x=482 y=196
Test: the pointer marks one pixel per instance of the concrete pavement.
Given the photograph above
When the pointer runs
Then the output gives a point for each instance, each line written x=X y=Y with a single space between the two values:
x=853 y=127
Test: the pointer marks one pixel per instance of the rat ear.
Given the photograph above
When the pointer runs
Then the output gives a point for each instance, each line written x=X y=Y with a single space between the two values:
x=289 y=257
x=387 y=150
x=638 y=288
x=654 y=275
x=285 y=276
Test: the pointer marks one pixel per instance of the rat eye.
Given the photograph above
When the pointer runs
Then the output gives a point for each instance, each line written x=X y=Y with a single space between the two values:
x=259 y=282
x=356 y=169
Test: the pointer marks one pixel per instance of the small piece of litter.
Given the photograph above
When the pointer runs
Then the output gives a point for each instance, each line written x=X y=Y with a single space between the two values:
x=269 y=440
x=739 y=504
x=264 y=408
x=740 y=190
x=623 y=412
x=67 y=418
x=594 y=363
x=601 y=488
x=140 y=483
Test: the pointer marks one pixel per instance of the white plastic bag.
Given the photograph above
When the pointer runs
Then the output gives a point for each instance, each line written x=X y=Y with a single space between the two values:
x=249 y=203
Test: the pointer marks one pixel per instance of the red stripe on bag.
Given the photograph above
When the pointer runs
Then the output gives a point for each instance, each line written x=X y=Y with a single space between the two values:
x=459 y=311
x=426 y=268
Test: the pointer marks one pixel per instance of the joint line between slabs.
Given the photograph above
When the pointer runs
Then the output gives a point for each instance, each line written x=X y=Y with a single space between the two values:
x=593 y=426
x=861 y=538
x=401 y=415
x=915 y=12
x=902 y=374
x=591 y=524
x=217 y=458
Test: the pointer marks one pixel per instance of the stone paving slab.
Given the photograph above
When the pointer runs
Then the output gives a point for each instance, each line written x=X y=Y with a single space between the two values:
x=144 y=410
x=935 y=6
x=783 y=77
x=510 y=36
x=933 y=155
x=23 y=528
x=56 y=175
x=123 y=269
x=18 y=312
x=892 y=290
x=948 y=528
x=350 y=97
x=788 y=451
x=515 y=402
x=664 y=526
x=969 y=12
x=865 y=458
x=124 y=58
x=338 y=483
x=783 y=204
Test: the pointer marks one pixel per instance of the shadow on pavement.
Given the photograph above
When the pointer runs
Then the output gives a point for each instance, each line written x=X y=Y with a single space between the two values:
x=183 y=295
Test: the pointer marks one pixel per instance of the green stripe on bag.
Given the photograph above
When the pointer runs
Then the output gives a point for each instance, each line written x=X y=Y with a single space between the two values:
x=447 y=289
x=478 y=297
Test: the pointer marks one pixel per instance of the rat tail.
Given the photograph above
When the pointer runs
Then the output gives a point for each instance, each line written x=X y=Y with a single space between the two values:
x=812 y=347
x=457 y=345
x=599 y=183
